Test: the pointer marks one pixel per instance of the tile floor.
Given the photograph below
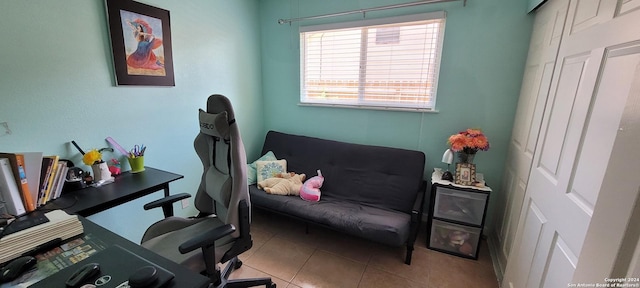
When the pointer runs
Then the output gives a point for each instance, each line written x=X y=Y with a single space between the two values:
x=324 y=258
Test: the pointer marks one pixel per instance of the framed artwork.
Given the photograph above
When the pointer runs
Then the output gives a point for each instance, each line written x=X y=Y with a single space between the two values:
x=465 y=174
x=141 y=43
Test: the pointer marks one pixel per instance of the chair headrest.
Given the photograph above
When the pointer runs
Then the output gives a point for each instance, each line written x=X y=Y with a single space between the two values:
x=215 y=124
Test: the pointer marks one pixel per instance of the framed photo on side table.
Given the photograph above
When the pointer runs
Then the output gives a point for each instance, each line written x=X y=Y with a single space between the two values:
x=465 y=174
x=141 y=43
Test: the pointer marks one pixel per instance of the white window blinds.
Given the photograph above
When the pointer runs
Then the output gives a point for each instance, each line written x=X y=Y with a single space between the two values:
x=390 y=62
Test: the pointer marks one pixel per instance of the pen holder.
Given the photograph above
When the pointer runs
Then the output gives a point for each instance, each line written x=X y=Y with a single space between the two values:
x=136 y=163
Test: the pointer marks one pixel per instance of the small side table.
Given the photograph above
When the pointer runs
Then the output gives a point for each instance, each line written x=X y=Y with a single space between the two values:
x=456 y=217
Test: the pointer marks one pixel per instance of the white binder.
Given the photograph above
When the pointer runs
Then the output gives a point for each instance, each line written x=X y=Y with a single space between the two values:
x=9 y=189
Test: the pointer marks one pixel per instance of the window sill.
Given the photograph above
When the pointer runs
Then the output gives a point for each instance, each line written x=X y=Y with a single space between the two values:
x=366 y=107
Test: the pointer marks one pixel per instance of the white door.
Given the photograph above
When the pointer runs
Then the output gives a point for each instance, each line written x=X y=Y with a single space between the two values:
x=594 y=74
x=543 y=49
x=611 y=240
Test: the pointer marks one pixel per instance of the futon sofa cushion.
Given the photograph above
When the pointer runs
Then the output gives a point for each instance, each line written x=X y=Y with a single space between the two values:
x=383 y=177
x=381 y=225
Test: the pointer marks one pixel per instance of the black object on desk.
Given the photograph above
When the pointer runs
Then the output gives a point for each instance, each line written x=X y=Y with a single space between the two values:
x=16 y=267
x=83 y=275
x=126 y=187
x=24 y=222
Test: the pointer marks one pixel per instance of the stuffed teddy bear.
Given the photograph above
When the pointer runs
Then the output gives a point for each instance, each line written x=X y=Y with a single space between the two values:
x=283 y=184
x=310 y=191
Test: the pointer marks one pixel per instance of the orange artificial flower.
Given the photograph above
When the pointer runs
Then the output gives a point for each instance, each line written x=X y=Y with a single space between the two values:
x=469 y=141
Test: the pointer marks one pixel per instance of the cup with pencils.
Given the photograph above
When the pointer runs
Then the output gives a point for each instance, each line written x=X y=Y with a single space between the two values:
x=136 y=158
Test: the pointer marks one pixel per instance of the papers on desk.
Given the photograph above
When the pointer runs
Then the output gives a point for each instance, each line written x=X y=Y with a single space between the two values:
x=61 y=225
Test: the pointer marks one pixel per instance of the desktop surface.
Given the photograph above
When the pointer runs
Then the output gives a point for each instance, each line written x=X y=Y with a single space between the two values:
x=55 y=265
x=115 y=264
x=126 y=187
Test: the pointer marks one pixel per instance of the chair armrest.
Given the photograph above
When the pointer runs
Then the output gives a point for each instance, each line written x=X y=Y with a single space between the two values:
x=166 y=203
x=206 y=239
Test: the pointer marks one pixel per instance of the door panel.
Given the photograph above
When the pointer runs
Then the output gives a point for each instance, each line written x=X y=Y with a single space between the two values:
x=561 y=264
x=555 y=140
x=589 y=13
x=514 y=214
x=525 y=107
x=534 y=221
x=628 y=5
x=541 y=98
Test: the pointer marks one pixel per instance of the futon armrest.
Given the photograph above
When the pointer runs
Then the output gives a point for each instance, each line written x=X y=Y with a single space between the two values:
x=206 y=239
x=166 y=203
x=418 y=205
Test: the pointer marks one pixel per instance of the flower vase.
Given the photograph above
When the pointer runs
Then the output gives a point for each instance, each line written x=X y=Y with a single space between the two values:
x=466 y=157
x=101 y=172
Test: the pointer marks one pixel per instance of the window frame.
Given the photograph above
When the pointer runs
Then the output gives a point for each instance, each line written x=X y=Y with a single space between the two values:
x=428 y=106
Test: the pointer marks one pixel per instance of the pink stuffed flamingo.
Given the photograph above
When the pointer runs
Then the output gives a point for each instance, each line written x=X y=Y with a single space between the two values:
x=310 y=190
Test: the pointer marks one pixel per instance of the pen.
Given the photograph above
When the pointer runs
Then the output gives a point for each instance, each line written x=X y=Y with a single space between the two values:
x=77 y=147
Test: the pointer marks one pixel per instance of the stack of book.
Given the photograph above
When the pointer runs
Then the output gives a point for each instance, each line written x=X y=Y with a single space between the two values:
x=60 y=226
x=29 y=180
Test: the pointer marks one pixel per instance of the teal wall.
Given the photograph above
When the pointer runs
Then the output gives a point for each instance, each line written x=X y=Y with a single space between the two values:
x=484 y=53
x=56 y=85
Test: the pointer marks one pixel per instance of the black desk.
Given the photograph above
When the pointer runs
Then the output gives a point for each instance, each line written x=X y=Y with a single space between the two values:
x=99 y=239
x=127 y=186
x=184 y=277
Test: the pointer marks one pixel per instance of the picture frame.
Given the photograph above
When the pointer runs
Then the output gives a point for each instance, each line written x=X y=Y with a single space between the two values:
x=141 y=43
x=465 y=174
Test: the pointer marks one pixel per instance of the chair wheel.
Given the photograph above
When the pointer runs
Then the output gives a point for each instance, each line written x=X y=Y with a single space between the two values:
x=273 y=285
x=237 y=265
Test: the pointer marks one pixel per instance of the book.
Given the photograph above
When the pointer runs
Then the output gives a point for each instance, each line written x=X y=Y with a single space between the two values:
x=17 y=166
x=29 y=205
x=33 y=165
x=45 y=173
x=59 y=180
x=9 y=189
x=63 y=180
x=55 y=183
x=54 y=168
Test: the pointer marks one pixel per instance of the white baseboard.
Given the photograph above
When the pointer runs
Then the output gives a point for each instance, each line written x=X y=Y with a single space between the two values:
x=493 y=250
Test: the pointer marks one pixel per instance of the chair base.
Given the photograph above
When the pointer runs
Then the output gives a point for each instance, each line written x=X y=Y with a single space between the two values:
x=240 y=283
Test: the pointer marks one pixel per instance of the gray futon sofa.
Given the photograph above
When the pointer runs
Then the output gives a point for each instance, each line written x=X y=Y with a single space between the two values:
x=372 y=192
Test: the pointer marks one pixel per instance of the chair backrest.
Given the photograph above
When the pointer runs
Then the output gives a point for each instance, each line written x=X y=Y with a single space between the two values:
x=220 y=148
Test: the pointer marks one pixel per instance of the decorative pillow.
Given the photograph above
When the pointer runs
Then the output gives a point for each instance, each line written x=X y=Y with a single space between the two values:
x=252 y=175
x=269 y=169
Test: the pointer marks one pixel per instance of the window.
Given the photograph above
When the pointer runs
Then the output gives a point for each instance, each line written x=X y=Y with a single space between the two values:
x=389 y=63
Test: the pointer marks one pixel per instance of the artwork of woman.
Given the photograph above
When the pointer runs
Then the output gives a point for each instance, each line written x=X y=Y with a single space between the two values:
x=144 y=57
